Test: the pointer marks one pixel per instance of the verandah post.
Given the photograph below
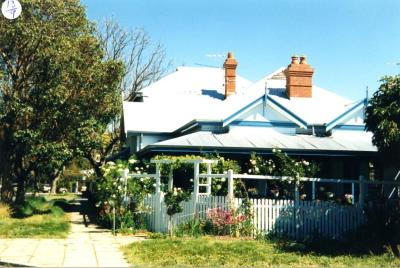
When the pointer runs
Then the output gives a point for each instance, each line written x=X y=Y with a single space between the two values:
x=195 y=196
x=209 y=179
x=230 y=184
x=158 y=201
x=170 y=179
x=362 y=192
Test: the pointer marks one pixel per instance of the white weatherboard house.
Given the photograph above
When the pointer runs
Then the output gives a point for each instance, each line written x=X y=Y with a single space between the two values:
x=198 y=110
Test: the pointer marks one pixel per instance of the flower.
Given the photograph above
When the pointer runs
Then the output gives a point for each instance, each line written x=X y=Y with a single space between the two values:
x=306 y=162
x=141 y=179
x=111 y=163
x=132 y=161
x=136 y=168
x=223 y=179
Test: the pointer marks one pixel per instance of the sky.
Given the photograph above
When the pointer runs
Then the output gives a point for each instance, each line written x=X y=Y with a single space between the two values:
x=350 y=44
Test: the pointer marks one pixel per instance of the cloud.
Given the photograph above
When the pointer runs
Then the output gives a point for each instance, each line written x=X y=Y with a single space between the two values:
x=217 y=55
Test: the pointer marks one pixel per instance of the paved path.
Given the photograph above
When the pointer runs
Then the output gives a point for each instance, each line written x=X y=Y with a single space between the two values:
x=84 y=247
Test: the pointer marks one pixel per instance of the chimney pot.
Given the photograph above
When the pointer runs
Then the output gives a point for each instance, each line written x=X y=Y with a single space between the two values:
x=299 y=78
x=230 y=65
x=295 y=59
x=303 y=59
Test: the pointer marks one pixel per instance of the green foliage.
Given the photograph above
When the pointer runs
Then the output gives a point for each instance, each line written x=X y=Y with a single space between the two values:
x=382 y=116
x=126 y=197
x=32 y=206
x=57 y=90
x=194 y=227
x=173 y=200
x=382 y=227
x=280 y=164
x=185 y=170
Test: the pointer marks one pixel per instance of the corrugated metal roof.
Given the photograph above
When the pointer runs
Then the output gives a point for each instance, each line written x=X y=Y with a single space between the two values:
x=268 y=139
x=187 y=94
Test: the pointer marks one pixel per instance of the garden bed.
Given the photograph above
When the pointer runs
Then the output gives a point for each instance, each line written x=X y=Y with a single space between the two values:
x=211 y=251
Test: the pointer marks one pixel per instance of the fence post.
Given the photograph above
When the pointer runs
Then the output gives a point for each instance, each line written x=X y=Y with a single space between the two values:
x=313 y=190
x=170 y=179
x=158 y=217
x=158 y=178
x=296 y=193
x=230 y=184
x=362 y=192
x=209 y=179
x=126 y=172
x=195 y=195
x=352 y=194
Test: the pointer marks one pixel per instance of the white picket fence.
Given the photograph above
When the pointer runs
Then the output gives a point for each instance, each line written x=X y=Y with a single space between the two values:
x=282 y=217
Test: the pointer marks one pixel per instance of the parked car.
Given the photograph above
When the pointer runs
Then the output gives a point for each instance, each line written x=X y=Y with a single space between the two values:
x=62 y=190
x=46 y=188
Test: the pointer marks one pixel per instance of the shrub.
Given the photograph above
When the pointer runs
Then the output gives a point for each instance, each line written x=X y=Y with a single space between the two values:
x=127 y=197
x=5 y=211
x=280 y=164
x=32 y=205
x=195 y=227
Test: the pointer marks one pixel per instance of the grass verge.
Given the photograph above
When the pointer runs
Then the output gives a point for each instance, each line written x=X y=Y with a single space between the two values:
x=211 y=251
x=36 y=218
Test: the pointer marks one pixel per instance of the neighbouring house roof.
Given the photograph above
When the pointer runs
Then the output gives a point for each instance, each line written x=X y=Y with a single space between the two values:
x=266 y=139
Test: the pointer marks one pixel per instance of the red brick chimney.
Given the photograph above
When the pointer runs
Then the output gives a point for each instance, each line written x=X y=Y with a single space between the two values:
x=230 y=65
x=299 y=78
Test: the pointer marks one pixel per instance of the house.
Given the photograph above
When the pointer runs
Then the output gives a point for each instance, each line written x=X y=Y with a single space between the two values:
x=204 y=110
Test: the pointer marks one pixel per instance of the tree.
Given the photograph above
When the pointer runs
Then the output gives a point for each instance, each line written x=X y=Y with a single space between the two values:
x=145 y=63
x=382 y=117
x=58 y=91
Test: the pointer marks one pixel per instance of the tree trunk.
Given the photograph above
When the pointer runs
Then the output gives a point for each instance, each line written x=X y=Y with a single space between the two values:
x=122 y=136
x=54 y=183
x=7 y=192
x=20 y=195
x=96 y=166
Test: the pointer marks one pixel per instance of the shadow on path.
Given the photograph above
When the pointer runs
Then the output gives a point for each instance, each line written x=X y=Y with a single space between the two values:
x=9 y=264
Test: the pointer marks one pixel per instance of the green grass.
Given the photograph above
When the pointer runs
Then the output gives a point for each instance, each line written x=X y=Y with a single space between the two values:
x=66 y=197
x=209 y=251
x=36 y=218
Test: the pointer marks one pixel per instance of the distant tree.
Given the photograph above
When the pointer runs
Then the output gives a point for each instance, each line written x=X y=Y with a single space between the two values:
x=58 y=91
x=382 y=117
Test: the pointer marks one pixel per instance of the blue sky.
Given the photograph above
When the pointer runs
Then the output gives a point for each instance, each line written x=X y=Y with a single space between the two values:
x=350 y=43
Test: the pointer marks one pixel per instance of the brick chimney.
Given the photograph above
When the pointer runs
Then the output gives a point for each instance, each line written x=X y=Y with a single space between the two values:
x=230 y=65
x=299 y=78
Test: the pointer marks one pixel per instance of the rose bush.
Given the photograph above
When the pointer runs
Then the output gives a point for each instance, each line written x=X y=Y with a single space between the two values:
x=127 y=196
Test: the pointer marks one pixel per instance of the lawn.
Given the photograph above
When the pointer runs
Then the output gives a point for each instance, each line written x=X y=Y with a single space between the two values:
x=209 y=251
x=65 y=197
x=37 y=218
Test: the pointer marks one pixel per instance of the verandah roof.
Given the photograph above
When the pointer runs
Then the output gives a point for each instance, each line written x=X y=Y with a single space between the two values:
x=255 y=140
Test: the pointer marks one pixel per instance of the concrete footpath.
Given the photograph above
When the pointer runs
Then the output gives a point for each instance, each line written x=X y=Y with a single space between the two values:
x=84 y=247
